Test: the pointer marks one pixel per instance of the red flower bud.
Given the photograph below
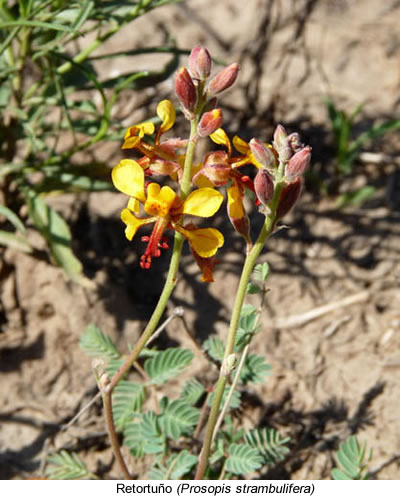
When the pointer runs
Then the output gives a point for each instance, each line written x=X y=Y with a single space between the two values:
x=281 y=144
x=262 y=153
x=280 y=136
x=294 y=142
x=217 y=168
x=185 y=89
x=298 y=163
x=264 y=186
x=200 y=63
x=224 y=79
x=209 y=122
x=288 y=198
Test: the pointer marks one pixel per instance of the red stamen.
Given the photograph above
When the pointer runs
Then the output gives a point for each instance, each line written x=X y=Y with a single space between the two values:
x=145 y=261
x=164 y=243
x=155 y=242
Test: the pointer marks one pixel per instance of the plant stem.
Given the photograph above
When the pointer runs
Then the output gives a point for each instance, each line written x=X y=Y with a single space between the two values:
x=231 y=391
x=249 y=264
x=107 y=402
x=158 y=311
x=186 y=181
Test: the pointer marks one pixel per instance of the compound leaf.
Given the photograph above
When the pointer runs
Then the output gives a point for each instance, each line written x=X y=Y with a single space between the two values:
x=269 y=443
x=352 y=460
x=215 y=348
x=98 y=345
x=144 y=436
x=178 y=418
x=243 y=459
x=261 y=272
x=67 y=466
x=128 y=398
x=192 y=391
x=254 y=369
x=167 y=364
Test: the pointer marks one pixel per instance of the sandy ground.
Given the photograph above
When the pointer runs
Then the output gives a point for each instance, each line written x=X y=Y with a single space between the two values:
x=334 y=374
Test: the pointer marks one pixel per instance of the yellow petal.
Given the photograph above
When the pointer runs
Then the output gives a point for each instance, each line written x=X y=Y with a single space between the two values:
x=128 y=177
x=133 y=205
x=235 y=204
x=205 y=241
x=131 y=142
x=132 y=223
x=220 y=137
x=159 y=200
x=153 y=190
x=145 y=128
x=202 y=182
x=241 y=145
x=203 y=202
x=166 y=111
x=131 y=132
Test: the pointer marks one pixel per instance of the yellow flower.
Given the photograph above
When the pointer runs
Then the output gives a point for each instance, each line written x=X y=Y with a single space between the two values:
x=160 y=157
x=166 y=210
x=220 y=167
x=220 y=137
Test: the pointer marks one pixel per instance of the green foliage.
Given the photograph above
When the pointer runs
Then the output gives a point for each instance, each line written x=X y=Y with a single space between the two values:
x=113 y=365
x=66 y=465
x=356 y=197
x=253 y=288
x=167 y=364
x=247 y=326
x=214 y=347
x=261 y=272
x=177 y=465
x=145 y=435
x=148 y=433
x=192 y=391
x=98 y=345
x=352 y=459
x=12 y=217
x=48 y=90
x=57 y=234
x=128 y=398
x=254 y=369
x=260 y=447
x=242 y=459
x=177 y=417
x=349 y=147
x=269 y=443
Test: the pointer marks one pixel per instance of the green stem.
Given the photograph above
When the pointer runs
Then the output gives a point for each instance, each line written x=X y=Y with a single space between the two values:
x=249 y=264
x=157 y=313
x=186 y=181
x=82 y=56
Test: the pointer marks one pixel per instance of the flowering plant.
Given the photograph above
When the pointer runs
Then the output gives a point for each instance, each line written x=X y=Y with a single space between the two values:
x=194 y=189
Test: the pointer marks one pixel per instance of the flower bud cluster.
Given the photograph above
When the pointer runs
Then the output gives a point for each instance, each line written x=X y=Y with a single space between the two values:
x=192 y=92
x=294 y=156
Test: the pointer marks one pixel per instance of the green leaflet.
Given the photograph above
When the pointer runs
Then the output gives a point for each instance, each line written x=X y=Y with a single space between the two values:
x=58 y=236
